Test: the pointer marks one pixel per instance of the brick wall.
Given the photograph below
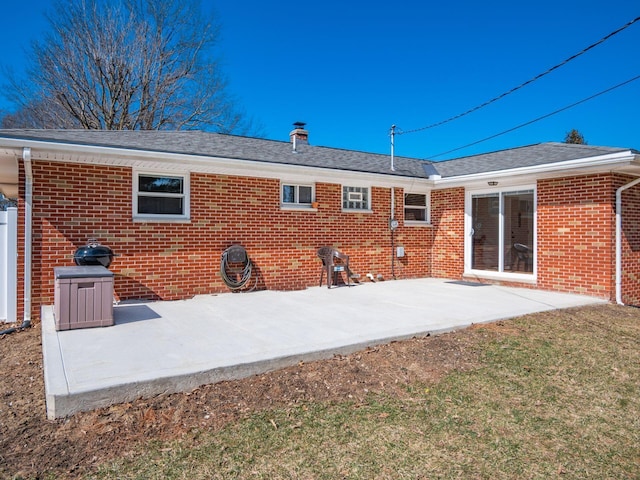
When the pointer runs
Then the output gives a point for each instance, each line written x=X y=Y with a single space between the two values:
x=447 y=216
x=630 y=241
x=417 y=241
x=575 y=232
x=172 y=260
x=576 y=221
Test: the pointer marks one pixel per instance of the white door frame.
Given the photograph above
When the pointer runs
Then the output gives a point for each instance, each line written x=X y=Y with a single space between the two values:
x=468 y=237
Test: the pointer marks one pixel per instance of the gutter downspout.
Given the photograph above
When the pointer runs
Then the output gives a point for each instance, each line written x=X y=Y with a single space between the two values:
x=619 y=238
x=28 y=216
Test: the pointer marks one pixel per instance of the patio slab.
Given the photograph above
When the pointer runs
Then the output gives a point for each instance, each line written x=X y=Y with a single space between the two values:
x=165 y=347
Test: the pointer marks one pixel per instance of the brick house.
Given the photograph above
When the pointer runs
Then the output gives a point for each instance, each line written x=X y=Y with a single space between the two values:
x=551 y=216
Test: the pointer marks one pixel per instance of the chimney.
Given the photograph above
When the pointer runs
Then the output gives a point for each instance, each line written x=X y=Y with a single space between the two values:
x=299 y=136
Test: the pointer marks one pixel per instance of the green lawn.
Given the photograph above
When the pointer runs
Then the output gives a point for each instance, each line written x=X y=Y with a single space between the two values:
x=554 y=395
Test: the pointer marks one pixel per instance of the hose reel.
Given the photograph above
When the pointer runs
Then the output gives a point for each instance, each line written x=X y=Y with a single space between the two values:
x=236 y=267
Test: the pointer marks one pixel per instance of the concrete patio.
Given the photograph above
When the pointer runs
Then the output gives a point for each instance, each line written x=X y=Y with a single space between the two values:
x=163 y=347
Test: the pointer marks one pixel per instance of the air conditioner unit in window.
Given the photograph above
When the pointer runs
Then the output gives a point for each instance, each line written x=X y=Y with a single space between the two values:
x=355 y=196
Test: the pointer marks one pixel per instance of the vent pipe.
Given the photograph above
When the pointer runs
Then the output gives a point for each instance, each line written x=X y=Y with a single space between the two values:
x=393 y=134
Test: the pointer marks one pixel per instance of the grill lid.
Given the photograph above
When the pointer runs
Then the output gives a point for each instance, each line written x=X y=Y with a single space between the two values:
x=93 y=254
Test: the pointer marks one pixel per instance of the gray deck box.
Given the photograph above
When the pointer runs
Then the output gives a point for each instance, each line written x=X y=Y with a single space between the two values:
x=83 y=297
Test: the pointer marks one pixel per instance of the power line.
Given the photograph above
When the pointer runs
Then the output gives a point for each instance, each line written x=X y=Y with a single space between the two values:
x=539 y=118
x=514 y=89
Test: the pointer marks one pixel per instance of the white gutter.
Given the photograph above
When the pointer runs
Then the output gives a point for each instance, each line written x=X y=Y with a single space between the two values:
x=28 y=200
x=619 y=238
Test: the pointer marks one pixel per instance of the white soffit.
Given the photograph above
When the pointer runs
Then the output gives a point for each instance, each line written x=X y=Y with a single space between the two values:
x=8 y=175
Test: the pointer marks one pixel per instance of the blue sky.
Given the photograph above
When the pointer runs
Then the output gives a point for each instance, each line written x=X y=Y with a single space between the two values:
x=352 y=69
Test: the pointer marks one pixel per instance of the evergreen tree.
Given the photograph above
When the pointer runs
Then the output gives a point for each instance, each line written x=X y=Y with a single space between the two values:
x=574 y=136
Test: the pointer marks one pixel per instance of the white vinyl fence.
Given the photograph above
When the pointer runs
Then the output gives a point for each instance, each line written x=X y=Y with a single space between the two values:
x=8 y=265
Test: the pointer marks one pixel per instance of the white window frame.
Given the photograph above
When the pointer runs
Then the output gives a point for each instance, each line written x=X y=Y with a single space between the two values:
x=185 y=195
x=468 y=235
x=354 y=195
x=427 y=208
x=297 y=205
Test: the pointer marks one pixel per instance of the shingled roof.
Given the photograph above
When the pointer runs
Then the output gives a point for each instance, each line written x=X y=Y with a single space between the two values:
x=207 y=144
x=528 y=156
x=228 y=146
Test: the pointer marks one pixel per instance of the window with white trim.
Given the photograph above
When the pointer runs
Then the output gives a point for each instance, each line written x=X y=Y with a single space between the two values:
x=355 y=198
x=161 y=196
x=294 y=195
x=416 y=208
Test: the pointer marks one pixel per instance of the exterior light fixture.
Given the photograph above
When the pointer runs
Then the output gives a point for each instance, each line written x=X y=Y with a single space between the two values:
x=492 y=183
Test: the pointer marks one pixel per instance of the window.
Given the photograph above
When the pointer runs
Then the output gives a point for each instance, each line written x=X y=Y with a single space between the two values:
x=416 y=208
x=355 y=198
x=161 y=196
x=297 y=195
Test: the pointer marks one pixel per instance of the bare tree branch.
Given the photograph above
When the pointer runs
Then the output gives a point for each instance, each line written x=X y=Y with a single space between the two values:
x=127 y=64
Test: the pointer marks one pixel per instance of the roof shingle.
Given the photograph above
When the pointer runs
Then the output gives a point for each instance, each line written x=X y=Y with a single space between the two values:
x=271 y=151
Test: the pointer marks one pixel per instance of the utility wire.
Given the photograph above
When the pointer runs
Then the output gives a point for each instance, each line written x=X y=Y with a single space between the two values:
x=514 y=89
x=539 y=118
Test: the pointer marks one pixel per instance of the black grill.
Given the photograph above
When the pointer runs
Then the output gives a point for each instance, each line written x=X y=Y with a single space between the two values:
x=93 y=254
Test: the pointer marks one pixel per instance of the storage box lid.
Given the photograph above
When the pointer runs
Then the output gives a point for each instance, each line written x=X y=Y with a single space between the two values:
x=80 y=272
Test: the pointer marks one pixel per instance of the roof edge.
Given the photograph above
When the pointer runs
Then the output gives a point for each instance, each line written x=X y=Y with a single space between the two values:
x=610 y=160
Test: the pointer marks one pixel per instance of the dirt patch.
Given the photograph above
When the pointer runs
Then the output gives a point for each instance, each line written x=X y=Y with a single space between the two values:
x=32 y=446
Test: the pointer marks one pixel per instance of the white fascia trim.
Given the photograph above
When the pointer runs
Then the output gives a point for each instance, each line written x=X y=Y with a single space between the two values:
x=163 y=161
x=582 y=166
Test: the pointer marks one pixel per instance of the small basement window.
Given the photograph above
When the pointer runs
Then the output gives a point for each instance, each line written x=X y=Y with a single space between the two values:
x=355 y=198
x=416 y=208
x=294 y=195
x=161 y=196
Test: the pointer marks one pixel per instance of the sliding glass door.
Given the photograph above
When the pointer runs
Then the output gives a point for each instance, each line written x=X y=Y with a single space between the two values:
x=502 y=231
